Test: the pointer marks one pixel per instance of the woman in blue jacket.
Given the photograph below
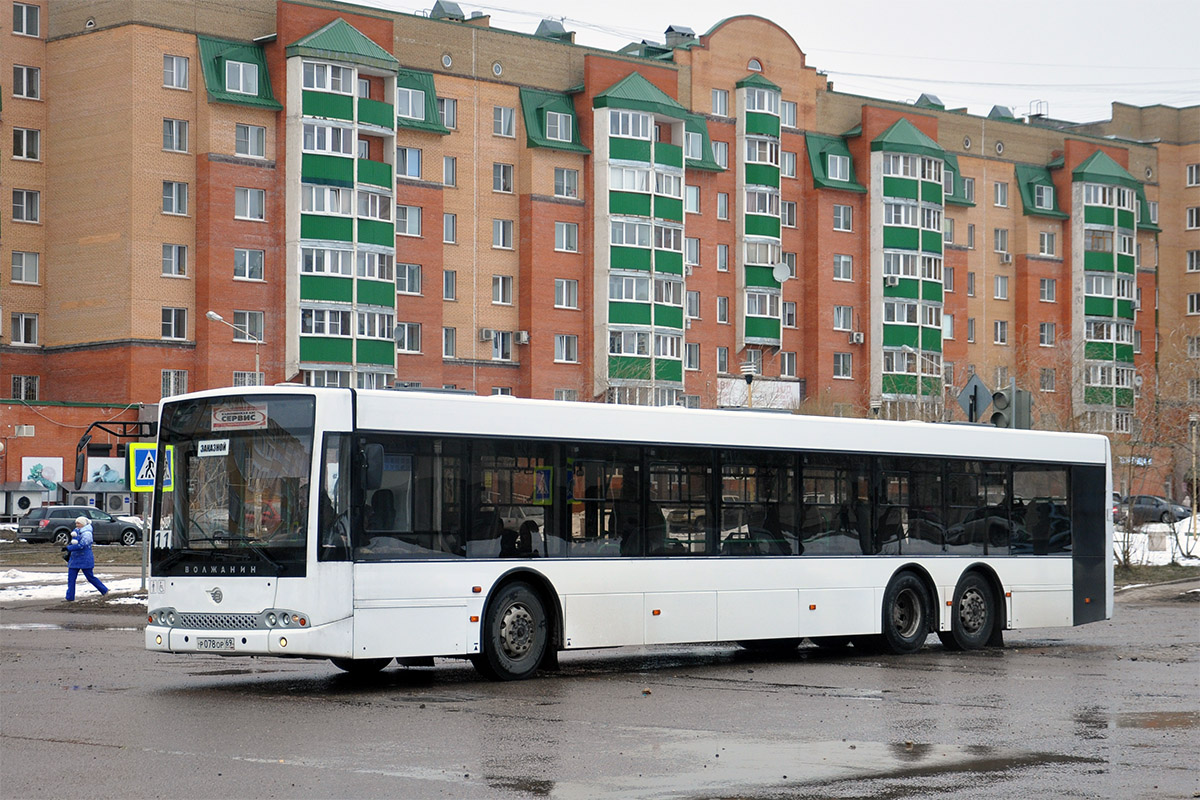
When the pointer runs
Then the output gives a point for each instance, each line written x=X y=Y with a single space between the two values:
x=81 y=558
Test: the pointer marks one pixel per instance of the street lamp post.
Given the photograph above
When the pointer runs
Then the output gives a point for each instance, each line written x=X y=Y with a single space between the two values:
x=215 y=317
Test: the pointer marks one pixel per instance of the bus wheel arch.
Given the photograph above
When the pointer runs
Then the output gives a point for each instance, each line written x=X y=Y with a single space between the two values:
x=907 y=610
x=519 y=630
x=978 y=611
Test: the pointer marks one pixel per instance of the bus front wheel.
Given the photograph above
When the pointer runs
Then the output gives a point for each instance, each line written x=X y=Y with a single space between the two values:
x=974 y=614
x=905 y=614
x=514 y=634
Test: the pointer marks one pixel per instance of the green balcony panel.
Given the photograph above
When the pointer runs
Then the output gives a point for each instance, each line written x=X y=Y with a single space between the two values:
x=376 y=173
x=764 y=124
x=760 y=276
x=909 y=288
x=669 y=155
x=932 y=291
x=328 y=170
x=668 y=316
x=668 y=261
x=763 y=328
x=628 y=149
x=327 y=288
x=1098 y=395
x=373 y=112
x=371 y=351
x=899 y=384
x=762 y=175
x=1123 y=398
x=338 y=229
x=1125 y=219
x=372 y=231
x=1126 y=264
x=668 y=208
x=629 y=204
x=1125 y=309
x=622 y=313
x=1098 y=306
x=905 y=238
x=376 y=293
x=1098 y=215
x=1123 y=353
x=325 y=349
x=329 y=105
x=931 y=242
x=1098 y=351
x=629 y=368
x=931 y=387
x=1098 y=262
x=900 y=335
x=900 y=187
x=621 y=257
x=762 y=225
x=931 y=339
x=668 y=369
x=931 y=192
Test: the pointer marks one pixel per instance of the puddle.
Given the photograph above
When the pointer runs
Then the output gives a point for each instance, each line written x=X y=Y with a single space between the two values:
x=44 y=626
x=1158 y=719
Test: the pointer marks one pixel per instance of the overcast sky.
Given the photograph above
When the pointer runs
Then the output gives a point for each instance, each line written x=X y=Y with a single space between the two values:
x=1075 y=55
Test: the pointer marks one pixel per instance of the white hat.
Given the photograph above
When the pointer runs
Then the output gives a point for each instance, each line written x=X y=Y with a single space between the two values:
x=81 y=521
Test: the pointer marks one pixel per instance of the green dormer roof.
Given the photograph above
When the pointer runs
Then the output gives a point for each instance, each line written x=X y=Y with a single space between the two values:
x=696 y=123
x=957 y=196
x=635 y=93
x=1029 y=177
x=341 y=41
x=819 y=148
x=757 y=80
x=216 y=53
x=534 y=105
x=903 y=137
x=421 y=81
x=1100 y=168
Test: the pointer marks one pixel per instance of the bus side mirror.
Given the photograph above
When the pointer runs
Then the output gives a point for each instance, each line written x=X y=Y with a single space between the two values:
x=372 y=455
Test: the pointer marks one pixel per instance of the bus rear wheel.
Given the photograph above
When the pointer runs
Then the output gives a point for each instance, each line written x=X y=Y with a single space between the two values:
x=360 y=667
x=514 y=634
x=905 y=614
x=974 y=614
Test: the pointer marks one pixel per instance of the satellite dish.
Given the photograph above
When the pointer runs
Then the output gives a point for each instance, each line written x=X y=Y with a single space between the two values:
x=780 y=273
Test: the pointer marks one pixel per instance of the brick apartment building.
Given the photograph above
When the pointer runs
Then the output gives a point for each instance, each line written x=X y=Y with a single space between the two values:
x=238 y=193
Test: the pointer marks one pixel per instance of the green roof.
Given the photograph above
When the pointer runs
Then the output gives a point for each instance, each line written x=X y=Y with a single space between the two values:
x=820 y=147
x=340 y=41
x=638 y=94
x=534 y=105
x=756 y=79
x=957 y=196
x=421 y=81
x=1030 y=176
x=903 y=137
x=215 y=53
x=696 y=123
x=1100 y=168
x=1144 y=223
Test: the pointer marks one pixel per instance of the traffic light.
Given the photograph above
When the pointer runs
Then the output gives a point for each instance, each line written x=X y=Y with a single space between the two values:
x=1013 y=408
x=1022 y=415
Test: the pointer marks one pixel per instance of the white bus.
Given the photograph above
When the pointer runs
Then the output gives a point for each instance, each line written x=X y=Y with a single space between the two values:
x=366 y=526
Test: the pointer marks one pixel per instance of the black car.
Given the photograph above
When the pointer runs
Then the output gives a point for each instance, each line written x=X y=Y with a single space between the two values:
x=55 y=523
x=1149 y=508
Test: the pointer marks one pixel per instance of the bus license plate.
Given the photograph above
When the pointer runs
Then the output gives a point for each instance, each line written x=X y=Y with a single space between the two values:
x=215 y=643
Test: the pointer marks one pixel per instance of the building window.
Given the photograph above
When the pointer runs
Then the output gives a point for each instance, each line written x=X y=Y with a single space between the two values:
x=691 y=199
x=1193 y=303
x=558 y=126
x=720 y=102
x=1046 y=334
x=449 y=171
x=721 y=154
x=566 y=348
x=843 y=218
x=336 y=200
x=174 y=197
x=241 y=78
x=408 y=337
x=787 y=114
x=722 y=359
x=1193 y=174
x=24 y=267
x=1001 y=287
x=1047 y=288
x=408 y=220
x=843 y=267
x=839 y=168
x=449 y=285
x=27 y=205
x=375 y=265
x=722 y=258
x=787 y=165
x=969 y=189
x=502 y=289
x=175 y=72
x=248 y=326
x=1043 y=196
x=174 y=323
x=1046 y=380
x=25 y=329
x=722 y=205
x=174 y=381
x=25 y=387
x=843 y=365
x=691 y=355
x=502 y=234
x=970 y=284
x=691 y=251
x=27 y=144
x=566 y=237
x=633 y=288
x=408 y=279
x=248 y=264
x=970 y=235
x=787 y=214
x=325 y=260
x=174 y=260
x=502 y=178
x=26 y=20
x=449 y=343
x=787 y=365
x=249 y=203
x=692 y=305
x=329 y=78
x=971 y=329
x=1193 y=218
x=723 y=310
x=502 y=348
x=1000 y=240
x=408 y=162
x=27 y=82
x=843 y=318
x=948 y=230
x=566 y=182
x=947 y=326
x=693 y=145
x=410 y=103
x=1046 y=243
x=250 y=140
x=449 y=228
x=503 y=121
x=566 y=293
x=789 y=314
x=364 y=88
x=1000 y=194
x=1000 y=332
x=448 y=112
x=566 y=395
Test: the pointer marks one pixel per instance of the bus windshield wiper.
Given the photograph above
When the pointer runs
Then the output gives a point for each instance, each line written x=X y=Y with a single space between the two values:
x=255 y=545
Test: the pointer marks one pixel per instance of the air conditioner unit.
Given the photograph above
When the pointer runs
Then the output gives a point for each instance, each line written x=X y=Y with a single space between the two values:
x=118 y=503
x=22 y=502
x=486 y=334
x=1006 y=258
x=891 y=280
x=23 y=430
x=687 y=269
x=857 y=337
x=687 y=324
x=82 y=499
x=1137 y=305
x=522 y=337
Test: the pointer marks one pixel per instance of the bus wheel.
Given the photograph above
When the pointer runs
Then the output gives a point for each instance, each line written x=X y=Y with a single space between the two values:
x=905 y=614
x=769 y=645
x=514 y=634
x=360 y=667
x=974 y=614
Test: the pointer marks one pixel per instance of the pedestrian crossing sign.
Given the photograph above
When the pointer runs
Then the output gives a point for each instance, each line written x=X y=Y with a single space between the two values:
x=142 y=466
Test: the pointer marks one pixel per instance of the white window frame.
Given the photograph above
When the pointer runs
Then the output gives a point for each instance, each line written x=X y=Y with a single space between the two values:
x=27 y=144
x=1046 y=243
x=26 y=267
x=843 y=366
x=566 y=348
x=27 y=82
x=843 y=267
x=27 y=206
x=175 y=198
x=448 y=112
x=502 y=234
x=1000 y=332
x=174 y=260
x=407 y=336
x=241 y=77
x=245 y=206
x=250 y=141
x=504 y=122
x=559 y=126
x=175 y=77
x=502 y=290
x=24 y=330
x=408 y=279
x=1000 y=194
x=410 y=103
x=502 y=178
x=408 y=220
x=408 y=162
x=843 y=218
x=174 y=381
x=720 y=102
x=174 y=323
x=1046 y=334
x=566 y=237
x=843 y=318
x=566 y=293
x=27 y=20
x=839 y=167
x=1043 y=196
x=449 y=342
x=566 y=182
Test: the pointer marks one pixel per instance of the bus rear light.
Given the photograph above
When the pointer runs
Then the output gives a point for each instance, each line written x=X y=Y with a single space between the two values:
x=476 y=589
x=656 y=612
x=302 y=622
x=474 y=618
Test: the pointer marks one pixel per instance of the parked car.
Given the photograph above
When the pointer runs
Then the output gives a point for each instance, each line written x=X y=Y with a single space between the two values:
x=1116 y=506
x=55 y=523
x=1149 y=508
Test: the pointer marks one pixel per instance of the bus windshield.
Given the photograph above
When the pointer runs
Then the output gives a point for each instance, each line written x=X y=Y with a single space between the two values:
x=239 y=505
